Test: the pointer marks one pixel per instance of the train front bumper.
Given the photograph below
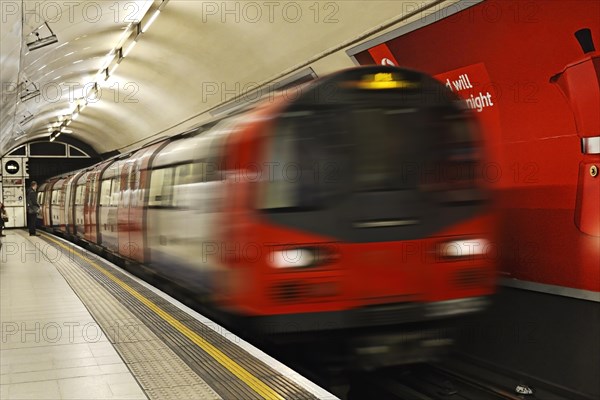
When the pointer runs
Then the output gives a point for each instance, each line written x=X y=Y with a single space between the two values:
x=369 y=317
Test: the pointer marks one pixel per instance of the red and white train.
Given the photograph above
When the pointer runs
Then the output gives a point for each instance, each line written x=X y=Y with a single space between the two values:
x=327 y=208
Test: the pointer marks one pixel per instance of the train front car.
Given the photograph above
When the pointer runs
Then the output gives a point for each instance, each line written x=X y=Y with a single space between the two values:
x=356 y=202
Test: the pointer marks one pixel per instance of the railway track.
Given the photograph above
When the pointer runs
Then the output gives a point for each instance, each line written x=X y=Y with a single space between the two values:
x=451 y=381
x=426 y=382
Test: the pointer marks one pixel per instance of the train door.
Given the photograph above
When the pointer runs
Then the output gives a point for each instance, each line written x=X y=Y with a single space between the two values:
x=41 y=202
x=47 y=208
x=68 y=219
x=138 y=181
x=55 y=208
x=79 y=205
x=92 y=200
x=126 y=177
x=110 y=190
x=90 y=184
x=70 y=200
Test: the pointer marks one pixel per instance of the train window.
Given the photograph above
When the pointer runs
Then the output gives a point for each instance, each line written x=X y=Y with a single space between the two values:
x=116 y=187
x=89 y=192
x=54 y=197
x=161 y=187
x=213 y=165
x=40 y=198
x=79 y=195
x=199 y=172
x=181 y=190
x=93 y=190
x=308 y=162
x=134 y=177
x=156 y=182
x=167 y=189
x=105 y=191
x=278 y=191
x=212 y=171
x=189 y=173
x=393 y=139
x=185 y=176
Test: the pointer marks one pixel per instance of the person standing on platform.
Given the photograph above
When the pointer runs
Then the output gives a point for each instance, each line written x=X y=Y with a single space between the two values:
x=3 y=219
x=32 y=208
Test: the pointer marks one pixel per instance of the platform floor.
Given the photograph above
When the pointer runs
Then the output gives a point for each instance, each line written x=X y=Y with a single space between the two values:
x=76 y=327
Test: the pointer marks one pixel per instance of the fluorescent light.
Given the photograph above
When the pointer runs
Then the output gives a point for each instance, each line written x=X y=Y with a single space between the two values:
x=30 y=95
x=109 y=59
x=39 y=41
x=42 y=42
x=150 y=21
x=129 y=48
x=26 y=119
x=124 y=34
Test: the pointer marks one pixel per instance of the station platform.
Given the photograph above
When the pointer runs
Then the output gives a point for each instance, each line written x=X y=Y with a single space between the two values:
x=74 y=326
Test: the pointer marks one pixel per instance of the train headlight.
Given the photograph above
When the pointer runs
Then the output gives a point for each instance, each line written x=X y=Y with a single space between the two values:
x=293 y=258
x=303 y=257
x=463 y=248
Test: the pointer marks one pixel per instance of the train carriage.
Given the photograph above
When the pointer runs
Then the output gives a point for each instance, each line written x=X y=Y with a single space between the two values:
x=79 y=200
x=132 y=211
x=46 y=213
x=42 y=202
x=57 y=205
x=93 y=197
x=326 y=208
x=108 y=206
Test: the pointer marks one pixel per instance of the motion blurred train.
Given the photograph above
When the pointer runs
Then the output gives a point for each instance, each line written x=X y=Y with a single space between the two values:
x=352 y=201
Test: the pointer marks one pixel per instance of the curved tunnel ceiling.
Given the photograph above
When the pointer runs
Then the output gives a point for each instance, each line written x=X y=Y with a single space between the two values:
x=194 y=56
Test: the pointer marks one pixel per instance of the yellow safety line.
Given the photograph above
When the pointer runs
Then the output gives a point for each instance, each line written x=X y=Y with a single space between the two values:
x=256 y=384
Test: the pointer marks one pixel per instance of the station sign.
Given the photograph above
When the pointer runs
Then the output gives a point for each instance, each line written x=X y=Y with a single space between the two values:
x=12 y=167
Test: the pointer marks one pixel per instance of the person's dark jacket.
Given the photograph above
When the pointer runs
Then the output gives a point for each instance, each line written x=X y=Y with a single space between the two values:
x=32 y=204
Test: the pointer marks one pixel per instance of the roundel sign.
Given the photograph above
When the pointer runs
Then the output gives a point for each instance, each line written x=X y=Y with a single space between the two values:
x=11 y=167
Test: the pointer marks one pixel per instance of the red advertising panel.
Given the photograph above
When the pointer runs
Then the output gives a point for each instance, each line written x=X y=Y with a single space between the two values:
x=534 y=83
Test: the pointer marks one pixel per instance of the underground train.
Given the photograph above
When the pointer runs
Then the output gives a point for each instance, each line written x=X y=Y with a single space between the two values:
x=352 y=201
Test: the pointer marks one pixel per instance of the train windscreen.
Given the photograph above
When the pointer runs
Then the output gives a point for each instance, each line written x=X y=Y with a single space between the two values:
x=319 y=156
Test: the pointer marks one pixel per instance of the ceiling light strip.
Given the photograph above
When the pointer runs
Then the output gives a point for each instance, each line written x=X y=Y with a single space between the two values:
x=125 y=44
